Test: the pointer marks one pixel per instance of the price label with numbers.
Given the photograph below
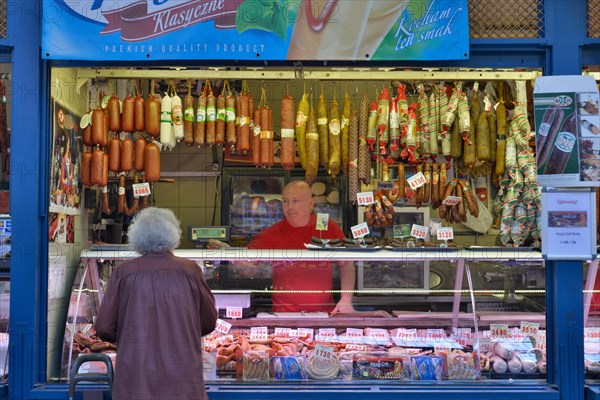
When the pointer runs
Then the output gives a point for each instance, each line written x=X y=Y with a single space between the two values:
x=435 y=334
x=442 y=346
x=222 y=326
x=591 y=334
x=360 y=230
x=417 y=180
x=419 y=231
x=306 y=332
x=378 y=335
x=282 y=332
x=365 y=198
x=259 y=333
x=355 y=334
x=529 y=328
x=445 y=233
x=327 y=335
x=356 y=347
x=499 y=330
x=323 y=352
x=407 y=335
x=322 y=221
x=141 y=189
x=451 y=200
x=293 y=333
x=540 y=340
x=233 y=312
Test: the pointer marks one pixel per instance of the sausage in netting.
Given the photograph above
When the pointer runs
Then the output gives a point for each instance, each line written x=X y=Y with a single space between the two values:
x=256 y=129
x=152 y=162
x=200 y=133
x=139 y=106
x=140 y=145
x=86 y=168
x=470 y=148
x=456 y=142
x=482 y=138
x=211 y=119
x=501 y=131
x=265 y=135
x=127 y=149
x=221 y=119
x=114 y=113
x=114 y=154
x=364 y=167
x=97 y=126
x=323 y=131
x=493 y=135
x=121 y=199
x=401 y=182
x=287 y=133
x=230 y=121
x=104 y=170
x=188 y=120
x=312 y=149
x=244 y=128
x=127 y=119
x=152 y=116
x=301 y=119
x=96 y=167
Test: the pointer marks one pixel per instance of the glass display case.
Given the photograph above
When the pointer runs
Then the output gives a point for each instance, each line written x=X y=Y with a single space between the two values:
x=476 y=316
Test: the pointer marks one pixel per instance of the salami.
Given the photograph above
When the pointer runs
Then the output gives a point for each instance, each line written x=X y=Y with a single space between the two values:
x=312 y=149
x=287 y=133
x=177 y=117
x=104 y=172
x=265 y=136
x=114 y=113
x=335 y=153
x=127 y=151
x=323 y=131
x=231 y=119
x=344 y=138
x=140 y=145
x=401 y=182
x=200 y=132
x=188 y=117
x=501 y=131
x=86 y=168
x=152 y=162
x=114 y=154
x=167 y=137
x=256 y=129
x=98 y=126
x=135 y=203
x=364 y=167
x=152 y=115
x=87 y=132
x=221 y=119
x=139 y=113
x=435 y=181
x=121 y=199
x=301 y=120
x=211 y=116
x=127 y=119
x=353 y=181
x=244 y=124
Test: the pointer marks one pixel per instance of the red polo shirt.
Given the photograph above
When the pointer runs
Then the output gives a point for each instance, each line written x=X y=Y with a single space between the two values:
x=299 y=275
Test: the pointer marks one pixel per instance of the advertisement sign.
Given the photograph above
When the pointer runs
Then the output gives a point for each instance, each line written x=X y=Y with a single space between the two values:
x=567 y=133
x=255 y=30
x=569 y=224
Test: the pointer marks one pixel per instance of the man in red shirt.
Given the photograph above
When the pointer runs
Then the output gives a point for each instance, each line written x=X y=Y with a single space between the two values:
x=313 y=279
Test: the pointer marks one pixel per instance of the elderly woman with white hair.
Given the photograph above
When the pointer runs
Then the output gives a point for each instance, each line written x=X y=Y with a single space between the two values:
x=156 y=309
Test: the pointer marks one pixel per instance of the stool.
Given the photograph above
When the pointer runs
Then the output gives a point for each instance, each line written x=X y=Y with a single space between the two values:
x=74 y=377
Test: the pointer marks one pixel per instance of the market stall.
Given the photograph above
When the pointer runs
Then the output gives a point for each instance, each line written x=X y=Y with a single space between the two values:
x=380 y=123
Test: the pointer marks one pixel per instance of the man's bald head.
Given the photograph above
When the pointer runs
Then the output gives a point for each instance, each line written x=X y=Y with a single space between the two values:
x=297 y=203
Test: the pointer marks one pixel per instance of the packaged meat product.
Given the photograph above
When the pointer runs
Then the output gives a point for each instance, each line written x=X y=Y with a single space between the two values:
x=255 y=364
x=288 y=367
x=463 y=366
x=426 y=368
x=322 y=368
x=377 y=368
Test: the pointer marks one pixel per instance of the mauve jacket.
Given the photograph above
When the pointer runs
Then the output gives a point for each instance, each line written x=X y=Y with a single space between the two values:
x=156 y=309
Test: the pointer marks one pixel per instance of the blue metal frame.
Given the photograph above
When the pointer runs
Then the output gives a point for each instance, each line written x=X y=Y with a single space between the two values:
x=562 y=51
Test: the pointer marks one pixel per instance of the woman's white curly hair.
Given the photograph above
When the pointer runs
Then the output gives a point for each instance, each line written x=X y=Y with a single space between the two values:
x=154 y=230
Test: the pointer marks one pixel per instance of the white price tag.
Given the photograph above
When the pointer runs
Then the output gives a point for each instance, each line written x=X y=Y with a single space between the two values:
x=327 y=335
x=379 y=335
x=306 y=332
x=442 y=347
x=529 y=328
x=499 y=330
x=419 y=231
x=354 y=333
x=360 y=230
x=540 y=340
x=407 y=335
x=451 y=200
x=365 y=198
x=141 y=189
x=323 y=352
x=282 y=332
x=259 y=333
x=417 y=180
x=590 y=334
x=233 y=312
x=445 y=233
x=222 y=326
x=293 y=333
x=356 y=347
x=435 y=335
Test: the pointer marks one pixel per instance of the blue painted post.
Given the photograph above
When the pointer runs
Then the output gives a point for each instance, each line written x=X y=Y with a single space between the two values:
x=26 y=180
x=564 y=316
x=565 y=23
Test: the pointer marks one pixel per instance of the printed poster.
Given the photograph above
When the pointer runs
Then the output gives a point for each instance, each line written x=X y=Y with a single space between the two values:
x=141 y=30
